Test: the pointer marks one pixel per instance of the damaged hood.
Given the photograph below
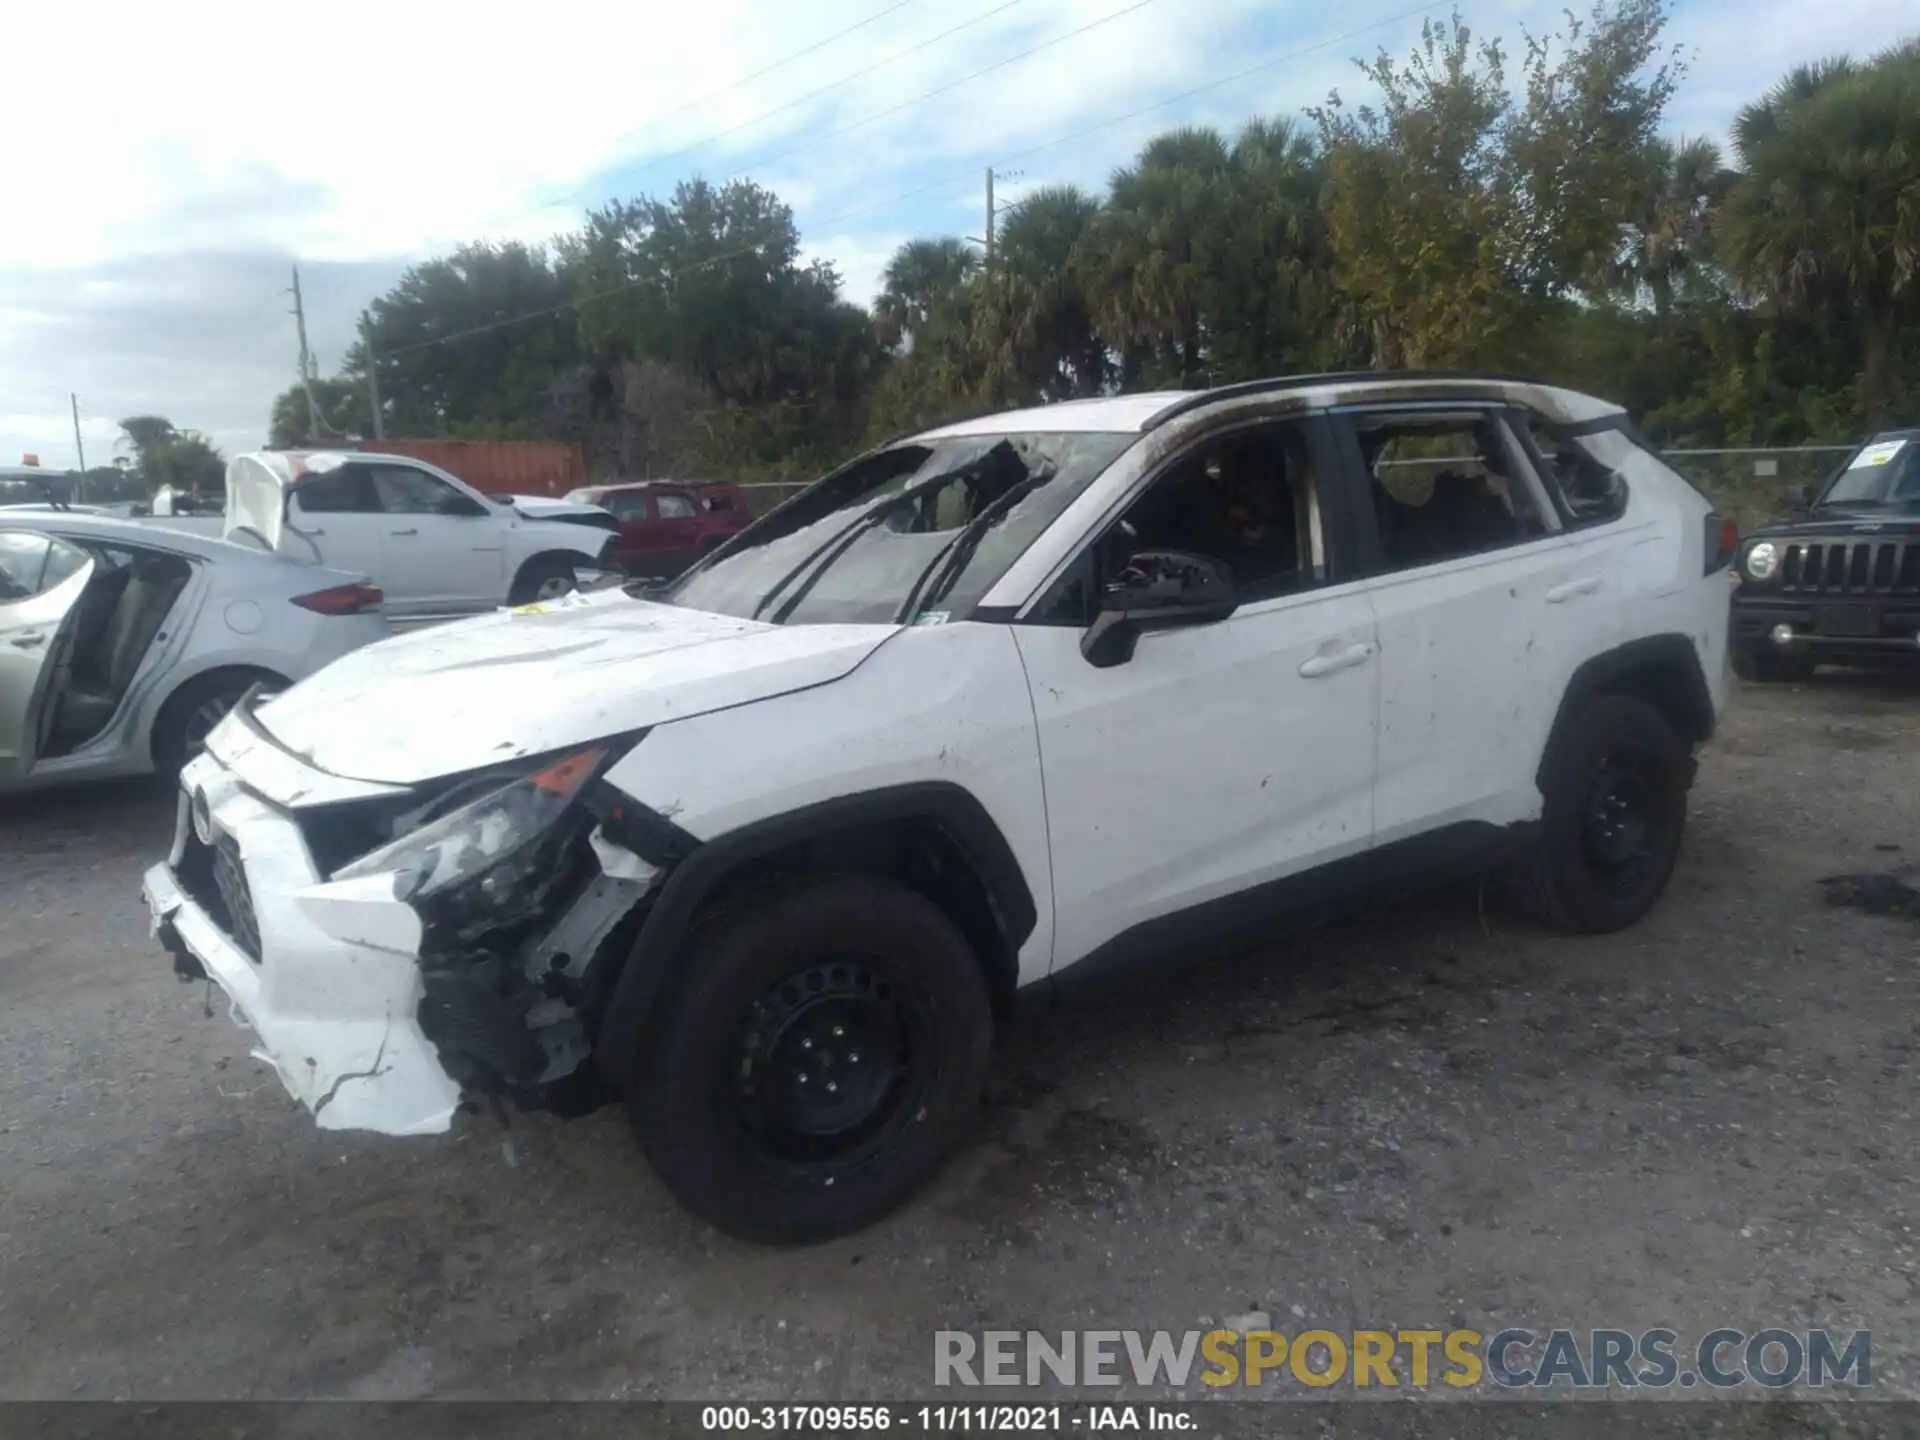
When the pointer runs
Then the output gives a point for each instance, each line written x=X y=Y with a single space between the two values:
x=456 y=697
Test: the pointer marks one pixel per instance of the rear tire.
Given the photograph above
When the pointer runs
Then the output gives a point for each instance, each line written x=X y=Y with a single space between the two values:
x=1770 y=665
x=545 y=577
x=181 y=729
x=815 y=1064
x=1615 y=793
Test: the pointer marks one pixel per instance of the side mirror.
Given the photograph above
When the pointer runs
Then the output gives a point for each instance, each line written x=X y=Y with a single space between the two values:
x=1160 y=589
x=1801 y=497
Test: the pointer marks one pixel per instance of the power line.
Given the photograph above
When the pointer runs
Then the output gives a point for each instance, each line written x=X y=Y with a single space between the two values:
x=765 y=70
x=970 y=175
x=1120 y=14
x=824 y=89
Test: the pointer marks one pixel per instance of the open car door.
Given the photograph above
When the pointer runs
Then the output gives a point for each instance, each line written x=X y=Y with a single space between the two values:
x=41 y=582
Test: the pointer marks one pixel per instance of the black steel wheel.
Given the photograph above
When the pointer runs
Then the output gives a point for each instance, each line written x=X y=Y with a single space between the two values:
x=1614 y=813
x=820 y=1052
x=829 y=1062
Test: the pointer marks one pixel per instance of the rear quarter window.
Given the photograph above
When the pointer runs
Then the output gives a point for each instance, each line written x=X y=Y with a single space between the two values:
x=1587 y=491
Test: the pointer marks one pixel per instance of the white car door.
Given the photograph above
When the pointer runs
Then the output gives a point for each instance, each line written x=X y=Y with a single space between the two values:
x=1472 y=573
x=1226 y=766
x=444 y=549
x=336 y=513
x=41 y=582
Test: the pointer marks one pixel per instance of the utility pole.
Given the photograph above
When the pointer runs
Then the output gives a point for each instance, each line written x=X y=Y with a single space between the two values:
x=306 y=359
x=373 y=378
x=80 y=485
x=989 y=230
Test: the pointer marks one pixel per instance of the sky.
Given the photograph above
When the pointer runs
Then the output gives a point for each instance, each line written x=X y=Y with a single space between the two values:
x=192 y=154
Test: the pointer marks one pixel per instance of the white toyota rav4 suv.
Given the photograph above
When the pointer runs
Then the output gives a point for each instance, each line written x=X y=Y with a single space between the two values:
x=767 y=853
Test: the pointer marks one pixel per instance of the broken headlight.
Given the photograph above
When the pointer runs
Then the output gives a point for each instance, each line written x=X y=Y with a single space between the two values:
x=486 y=840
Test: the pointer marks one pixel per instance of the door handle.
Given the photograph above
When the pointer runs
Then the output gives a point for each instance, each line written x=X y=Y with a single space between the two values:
x=403 y=532
x=1346 y=659
x=27 y=642
x=313 y=532
x=1559 y=594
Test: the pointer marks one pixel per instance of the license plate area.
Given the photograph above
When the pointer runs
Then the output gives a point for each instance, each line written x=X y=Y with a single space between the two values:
x=1846 y=622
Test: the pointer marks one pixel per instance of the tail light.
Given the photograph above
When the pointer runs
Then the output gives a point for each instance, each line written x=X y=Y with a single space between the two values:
x=1723 y=540
x=343 y=600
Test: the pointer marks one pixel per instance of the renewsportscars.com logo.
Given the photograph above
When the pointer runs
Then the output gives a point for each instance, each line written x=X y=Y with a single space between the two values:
x=1553 y=1360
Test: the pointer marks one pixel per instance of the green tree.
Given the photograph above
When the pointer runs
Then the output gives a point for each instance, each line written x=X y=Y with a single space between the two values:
x=1669 y=232
x=1154 y=256
x=1276 y=304
x=711 y=283
x=924 y=293
x=471 y=343
x=1457 y=214
x=1035 y=325
x=1824 y=219
x=343 y=411
x=165 y=455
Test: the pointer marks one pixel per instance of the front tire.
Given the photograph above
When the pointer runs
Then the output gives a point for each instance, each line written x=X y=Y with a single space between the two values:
x=820 y=1055
x=545 y=577
x=1615 y=793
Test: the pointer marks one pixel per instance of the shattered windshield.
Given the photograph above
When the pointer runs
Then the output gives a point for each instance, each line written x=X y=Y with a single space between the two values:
x=1881 y=472
x=919 y=531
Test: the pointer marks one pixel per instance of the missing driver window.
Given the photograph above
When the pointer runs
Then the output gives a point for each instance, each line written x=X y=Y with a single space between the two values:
x=1246 y=500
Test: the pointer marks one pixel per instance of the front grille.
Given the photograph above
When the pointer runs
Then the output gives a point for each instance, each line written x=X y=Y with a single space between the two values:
x=1852 y=567
x=230 y=878
x=213 y=876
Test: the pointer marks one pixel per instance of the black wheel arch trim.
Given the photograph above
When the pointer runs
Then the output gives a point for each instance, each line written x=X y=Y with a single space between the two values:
x=1669 y=654
x=698 y=868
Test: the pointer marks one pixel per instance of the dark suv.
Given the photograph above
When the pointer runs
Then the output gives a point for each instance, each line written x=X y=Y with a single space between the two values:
x=1839 y=582
x=666 y=525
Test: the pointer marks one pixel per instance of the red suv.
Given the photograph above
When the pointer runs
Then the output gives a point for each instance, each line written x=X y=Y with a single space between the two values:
x=666 y=525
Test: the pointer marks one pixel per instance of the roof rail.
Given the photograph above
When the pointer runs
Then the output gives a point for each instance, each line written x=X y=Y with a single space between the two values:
x=1330 y=377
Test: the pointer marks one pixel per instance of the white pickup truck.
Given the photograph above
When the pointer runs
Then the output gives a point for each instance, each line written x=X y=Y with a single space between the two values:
x=438 y=548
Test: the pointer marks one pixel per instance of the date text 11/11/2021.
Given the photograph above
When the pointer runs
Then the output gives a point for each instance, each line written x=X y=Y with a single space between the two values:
x=945 y=1419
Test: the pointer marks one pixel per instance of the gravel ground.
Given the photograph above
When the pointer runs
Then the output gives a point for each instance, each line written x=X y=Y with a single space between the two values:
x=1434 y=1116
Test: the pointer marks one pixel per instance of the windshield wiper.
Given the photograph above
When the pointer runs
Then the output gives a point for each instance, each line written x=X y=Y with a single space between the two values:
x=837 y=545
x=945 y=568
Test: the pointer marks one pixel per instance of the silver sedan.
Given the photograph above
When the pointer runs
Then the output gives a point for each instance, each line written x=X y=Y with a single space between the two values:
x=122 y=642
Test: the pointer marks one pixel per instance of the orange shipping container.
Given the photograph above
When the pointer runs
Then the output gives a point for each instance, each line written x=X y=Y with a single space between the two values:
x=498 y=467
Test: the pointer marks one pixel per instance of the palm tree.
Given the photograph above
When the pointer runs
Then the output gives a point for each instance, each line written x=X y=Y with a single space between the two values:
x=1670 y=233
x=1154 y=254
x=922 y=283
x=1036 y=321
x=1825 y=216
x=1278 y=274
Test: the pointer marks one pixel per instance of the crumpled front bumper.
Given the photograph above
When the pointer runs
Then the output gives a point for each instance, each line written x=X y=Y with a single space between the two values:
x=335 y=988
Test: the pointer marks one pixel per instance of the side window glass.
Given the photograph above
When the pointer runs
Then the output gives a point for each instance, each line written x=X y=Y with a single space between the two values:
x=1591 y=492
x=717 y=504
x=403 y=490
x=23 y=560
x=677 y=507
x=1248 y=500
x=1445 y=487
x=345 y=491
x=62 y=561
x=628 y=504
